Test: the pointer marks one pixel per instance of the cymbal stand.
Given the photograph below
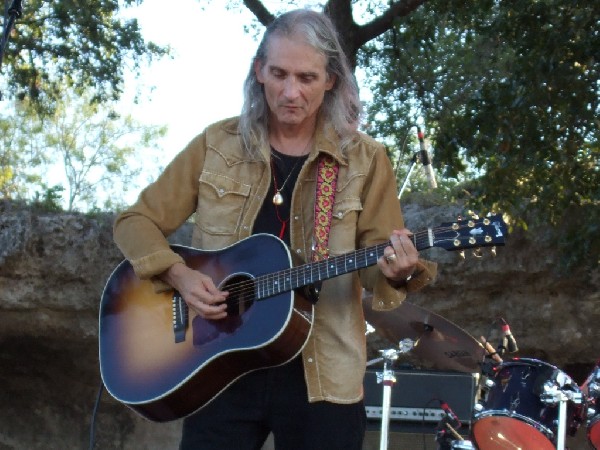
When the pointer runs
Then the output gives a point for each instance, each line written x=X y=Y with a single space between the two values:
x=388 y=379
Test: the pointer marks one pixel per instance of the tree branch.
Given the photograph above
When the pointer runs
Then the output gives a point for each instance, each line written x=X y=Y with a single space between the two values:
x=263 y=15
x=385 y=21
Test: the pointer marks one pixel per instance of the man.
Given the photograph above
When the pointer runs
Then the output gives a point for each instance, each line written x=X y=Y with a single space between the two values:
x=258 y=174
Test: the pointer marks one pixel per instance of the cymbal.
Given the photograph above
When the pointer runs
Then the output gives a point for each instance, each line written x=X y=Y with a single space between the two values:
x=436 y=340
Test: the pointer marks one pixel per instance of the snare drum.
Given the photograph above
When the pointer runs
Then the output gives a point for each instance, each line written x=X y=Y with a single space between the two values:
x=516 y=411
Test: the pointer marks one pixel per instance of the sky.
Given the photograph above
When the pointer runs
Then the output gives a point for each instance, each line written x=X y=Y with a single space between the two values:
x=202 y=82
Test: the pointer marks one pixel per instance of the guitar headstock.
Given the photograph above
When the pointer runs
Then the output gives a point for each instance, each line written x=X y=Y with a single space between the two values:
x=471 y=233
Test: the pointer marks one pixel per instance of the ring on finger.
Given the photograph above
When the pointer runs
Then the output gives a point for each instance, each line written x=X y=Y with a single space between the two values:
x=391 y=258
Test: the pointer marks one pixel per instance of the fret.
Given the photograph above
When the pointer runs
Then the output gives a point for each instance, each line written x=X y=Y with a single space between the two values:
x=270 y=285
x=280 y=282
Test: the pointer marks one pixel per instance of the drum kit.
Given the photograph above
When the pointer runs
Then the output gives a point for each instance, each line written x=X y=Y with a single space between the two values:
x=520 y=403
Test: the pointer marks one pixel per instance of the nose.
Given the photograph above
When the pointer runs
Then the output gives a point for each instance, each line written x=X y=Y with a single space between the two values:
x=290 y=88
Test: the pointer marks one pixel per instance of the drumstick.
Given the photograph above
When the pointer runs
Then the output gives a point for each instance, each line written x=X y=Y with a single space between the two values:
x=491 y=350
x=454 y=432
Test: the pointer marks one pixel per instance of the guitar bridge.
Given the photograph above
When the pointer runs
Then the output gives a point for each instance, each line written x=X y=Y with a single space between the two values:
x=180 y=317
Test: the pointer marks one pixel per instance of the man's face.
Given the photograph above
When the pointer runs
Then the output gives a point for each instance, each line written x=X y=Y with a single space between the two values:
x=294 y=80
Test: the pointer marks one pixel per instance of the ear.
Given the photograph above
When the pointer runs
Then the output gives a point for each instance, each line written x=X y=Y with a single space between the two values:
x=331 y=79
x=258 y=70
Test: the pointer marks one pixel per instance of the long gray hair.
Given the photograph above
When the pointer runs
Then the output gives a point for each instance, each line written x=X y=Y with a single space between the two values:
x=341 y=106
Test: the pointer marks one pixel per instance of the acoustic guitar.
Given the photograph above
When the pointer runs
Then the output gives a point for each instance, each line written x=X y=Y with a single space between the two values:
x=165 y=362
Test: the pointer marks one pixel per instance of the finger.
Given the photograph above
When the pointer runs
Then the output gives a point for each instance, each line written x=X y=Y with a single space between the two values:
x=208 y=311
x=211 y=294
x=404 y=246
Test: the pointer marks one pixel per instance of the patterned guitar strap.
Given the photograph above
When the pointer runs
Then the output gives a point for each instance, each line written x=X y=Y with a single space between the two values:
x=325 y=197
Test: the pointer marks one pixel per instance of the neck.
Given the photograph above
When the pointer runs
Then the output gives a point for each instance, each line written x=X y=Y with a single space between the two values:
x=292 y=140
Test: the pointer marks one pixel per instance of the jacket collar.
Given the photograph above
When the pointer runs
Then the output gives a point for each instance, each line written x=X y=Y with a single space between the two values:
x=326 y=139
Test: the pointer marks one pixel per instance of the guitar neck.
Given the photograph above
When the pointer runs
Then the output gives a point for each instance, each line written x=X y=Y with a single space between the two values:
x=459 y=235
x=310 y=273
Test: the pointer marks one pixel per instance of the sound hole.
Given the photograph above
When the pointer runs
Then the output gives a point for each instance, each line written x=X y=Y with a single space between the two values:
x=240 y=300
x=241 y=294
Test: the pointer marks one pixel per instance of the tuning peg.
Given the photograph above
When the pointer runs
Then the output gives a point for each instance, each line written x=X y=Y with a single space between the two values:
x=477 y=253
x=462 y=254
x=493 y=250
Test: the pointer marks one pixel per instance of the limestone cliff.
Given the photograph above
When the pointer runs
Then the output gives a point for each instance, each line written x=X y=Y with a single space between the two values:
x=52 y=272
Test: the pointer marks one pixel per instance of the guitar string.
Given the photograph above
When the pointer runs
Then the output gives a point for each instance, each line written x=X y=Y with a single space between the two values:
x=248 y=287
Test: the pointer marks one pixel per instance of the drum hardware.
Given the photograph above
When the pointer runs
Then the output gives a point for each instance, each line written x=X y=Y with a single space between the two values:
x=554 y=395
x=462 y=445
x=448 y=438
x=388 y=379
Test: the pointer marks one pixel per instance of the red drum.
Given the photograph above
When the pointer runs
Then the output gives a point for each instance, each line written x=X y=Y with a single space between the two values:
x=517 y=411
x=593 y=432
x=591 y=390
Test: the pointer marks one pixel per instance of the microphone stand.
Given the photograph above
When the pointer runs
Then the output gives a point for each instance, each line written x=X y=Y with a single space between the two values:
x=413 y=162
x=13 y=12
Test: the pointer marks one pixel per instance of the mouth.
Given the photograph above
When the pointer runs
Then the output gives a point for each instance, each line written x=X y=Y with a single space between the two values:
x=291 y=107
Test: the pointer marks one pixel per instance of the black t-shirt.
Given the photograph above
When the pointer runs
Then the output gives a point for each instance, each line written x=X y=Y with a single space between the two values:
x=274 y=219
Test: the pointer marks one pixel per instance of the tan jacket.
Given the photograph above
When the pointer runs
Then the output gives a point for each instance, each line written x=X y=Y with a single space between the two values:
x=225 y=186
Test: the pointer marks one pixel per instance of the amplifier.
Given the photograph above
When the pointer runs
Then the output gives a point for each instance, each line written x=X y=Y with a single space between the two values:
x=416 y=396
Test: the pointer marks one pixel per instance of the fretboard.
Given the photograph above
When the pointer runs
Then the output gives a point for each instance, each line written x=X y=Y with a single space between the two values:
x=310 y=273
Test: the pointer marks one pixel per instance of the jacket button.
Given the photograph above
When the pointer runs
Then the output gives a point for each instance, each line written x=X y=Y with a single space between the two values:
x=310 y=360
x=298 y=251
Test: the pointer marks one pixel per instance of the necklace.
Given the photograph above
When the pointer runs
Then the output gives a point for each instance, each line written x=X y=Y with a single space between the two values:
x=278 y=198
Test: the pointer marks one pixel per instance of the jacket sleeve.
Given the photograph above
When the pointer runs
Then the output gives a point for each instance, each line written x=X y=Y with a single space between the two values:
x=141 y=231
x=380 y=215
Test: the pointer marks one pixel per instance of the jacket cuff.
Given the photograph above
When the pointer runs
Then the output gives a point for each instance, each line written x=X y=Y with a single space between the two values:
x=154 y=264
x=386 y=296
x=425 y=274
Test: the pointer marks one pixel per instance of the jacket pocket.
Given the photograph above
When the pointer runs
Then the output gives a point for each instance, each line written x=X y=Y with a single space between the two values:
x=342 y=236
x=221 y=202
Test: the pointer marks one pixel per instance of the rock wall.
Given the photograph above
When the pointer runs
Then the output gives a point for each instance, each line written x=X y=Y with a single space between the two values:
x=52 y=272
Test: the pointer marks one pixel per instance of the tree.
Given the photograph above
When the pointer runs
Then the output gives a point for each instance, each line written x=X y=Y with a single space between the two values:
x=510 y=90
x=99 y=153
x=73 y=44
x=507 y=91
x=342 y=12
x=18 y=154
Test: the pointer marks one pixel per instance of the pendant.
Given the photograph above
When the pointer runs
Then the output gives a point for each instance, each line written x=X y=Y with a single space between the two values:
x=277 y=199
